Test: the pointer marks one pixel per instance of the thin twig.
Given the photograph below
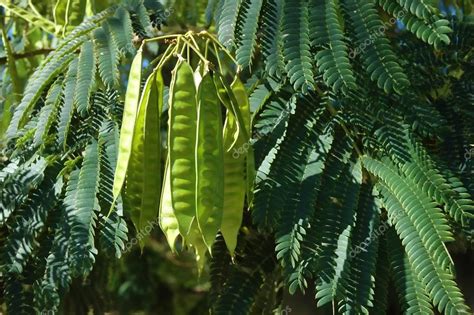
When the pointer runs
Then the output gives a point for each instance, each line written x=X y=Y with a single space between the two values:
x=28 y=54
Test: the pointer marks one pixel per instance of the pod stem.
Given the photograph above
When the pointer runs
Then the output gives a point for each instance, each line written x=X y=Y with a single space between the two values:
x=214 y=39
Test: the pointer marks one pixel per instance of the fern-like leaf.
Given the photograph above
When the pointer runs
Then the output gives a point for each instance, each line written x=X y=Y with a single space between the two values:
x=122 y=32
x=380 y=61
x=113 y=234
x=227 y=22
x=107 y=56
x=83 y=217
x=48 y=113
x=272 y=41
x=430 y=265
x=248 y=31
x=303 y=184
x=296 y=44
x=411 y=292
x=341 y=195
x=67 y=109
x=434 y=33
x=85 y=78
x=360 y=279
x=327 y=33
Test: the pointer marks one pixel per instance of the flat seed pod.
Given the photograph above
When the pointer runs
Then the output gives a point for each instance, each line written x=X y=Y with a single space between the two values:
x=234 y=184
x=167 y=219
x=209 y=161
x=243 y=105
x=181 y=145
x=132 y=98
x=144 y=171
x=152 y=152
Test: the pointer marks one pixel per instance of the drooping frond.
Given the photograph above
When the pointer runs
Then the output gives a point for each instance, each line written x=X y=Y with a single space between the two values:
x=421 y=8
x=422 y=23
x=28 y=224
x=113 y=234
x=435 y=271
x=17 y=181
x=272 y=38
x=85 y=78
x=378 y=57
x=250 y=10
x=450 y=192
x=49 y=113
x=411 y=292
x=40 y=80
x=68 y=107
x=341 y=192
x=237 y=286
x=120 y=26
x=83 y=214
x=327 y=33
x=108 y=146
x=304 y=180
x=107 y=56
x=382 y=278
x=359 y=286
x=227 y=22
x=421 y=210
x=56 y=278
x=269 y=203
x=296 y=44
x=271 y=124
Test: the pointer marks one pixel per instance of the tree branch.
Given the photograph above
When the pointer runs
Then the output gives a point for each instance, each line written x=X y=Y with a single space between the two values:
x=28 y=54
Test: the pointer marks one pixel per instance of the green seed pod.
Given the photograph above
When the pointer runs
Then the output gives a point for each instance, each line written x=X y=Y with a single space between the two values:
x=132 y=98
x=167 y=219
x=209 y=161
x=181 y=145
x=234 y=183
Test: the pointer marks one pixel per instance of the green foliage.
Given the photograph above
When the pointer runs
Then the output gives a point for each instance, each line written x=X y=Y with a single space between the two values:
x=248 y=31
x=300 y=34
x=242 y=288
x=57 y=180
x=380 y=160
x=227 y=22
x=35 y=19
x=327 y=33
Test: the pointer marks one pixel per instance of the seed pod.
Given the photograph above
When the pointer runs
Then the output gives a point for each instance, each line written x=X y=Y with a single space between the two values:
x=152 y=148
x=181 y=145
x=197 y=243
x=229 y=100
x=132 y=98
x=167 y=219
x=209 y=161
x=242 y=100
x=234 y=183
x=144 y=172
x=136 y=171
